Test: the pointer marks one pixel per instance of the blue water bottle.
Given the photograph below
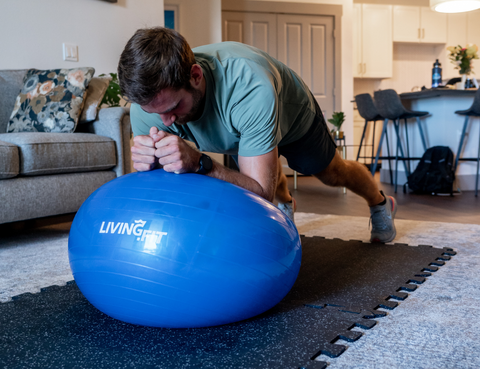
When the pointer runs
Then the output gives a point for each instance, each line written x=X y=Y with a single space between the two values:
x=436 y=74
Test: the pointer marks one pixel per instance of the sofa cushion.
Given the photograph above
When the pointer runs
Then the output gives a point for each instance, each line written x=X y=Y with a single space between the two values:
x=50 y=100
x=11 y=82
x=42 y=196
x=95 y=91
x=9 y=160
x=48 y=153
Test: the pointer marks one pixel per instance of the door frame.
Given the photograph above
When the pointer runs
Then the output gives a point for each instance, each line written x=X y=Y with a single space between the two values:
x=278 y=7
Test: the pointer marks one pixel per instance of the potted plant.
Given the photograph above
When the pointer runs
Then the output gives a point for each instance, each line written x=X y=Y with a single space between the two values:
x=462 y=58
x=337 y=120
x=113 y=96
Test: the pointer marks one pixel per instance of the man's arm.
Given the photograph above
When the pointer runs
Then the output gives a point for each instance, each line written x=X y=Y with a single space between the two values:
x=257 y=173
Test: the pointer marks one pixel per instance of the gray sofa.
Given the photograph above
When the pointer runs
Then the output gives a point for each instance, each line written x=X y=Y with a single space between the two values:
x=46 y=174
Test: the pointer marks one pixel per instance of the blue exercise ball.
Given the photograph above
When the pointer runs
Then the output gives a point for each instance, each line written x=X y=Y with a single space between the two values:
x=181 y=251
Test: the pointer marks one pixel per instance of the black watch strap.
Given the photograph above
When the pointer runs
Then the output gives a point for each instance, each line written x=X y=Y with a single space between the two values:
x=206 y=164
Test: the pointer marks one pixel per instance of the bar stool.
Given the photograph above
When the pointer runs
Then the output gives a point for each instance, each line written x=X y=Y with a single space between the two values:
x=390 y=106
x=368 y=111
x=473 y=111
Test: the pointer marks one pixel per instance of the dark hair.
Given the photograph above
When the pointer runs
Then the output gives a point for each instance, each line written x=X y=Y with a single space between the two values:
x=154 y=59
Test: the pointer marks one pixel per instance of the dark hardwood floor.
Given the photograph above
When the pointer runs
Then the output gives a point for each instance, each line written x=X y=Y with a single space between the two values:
x=314 y=197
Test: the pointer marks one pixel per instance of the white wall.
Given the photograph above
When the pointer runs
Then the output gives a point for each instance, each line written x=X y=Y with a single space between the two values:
x=32 y=31
x=200 y=22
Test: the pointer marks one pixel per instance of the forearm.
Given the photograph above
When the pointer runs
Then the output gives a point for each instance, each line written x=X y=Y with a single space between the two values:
x=219 y=171
x=258 y=174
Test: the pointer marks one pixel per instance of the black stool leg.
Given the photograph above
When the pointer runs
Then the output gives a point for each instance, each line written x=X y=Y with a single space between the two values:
x=397 y=129
x=396 y=158
x=478 y=165
x=389 y=159
x=373 y=142
x=384 y=130
x=363 y=137
x=408 y=146
x=422 y=136
x=460 y=146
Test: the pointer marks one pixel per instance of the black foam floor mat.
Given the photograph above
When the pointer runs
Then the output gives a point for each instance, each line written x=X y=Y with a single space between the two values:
x=341 y=285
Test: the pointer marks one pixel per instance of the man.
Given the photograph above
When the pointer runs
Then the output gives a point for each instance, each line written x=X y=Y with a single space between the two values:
x=234 y=99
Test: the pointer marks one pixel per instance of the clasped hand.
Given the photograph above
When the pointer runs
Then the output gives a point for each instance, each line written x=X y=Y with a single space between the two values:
x=170 y=151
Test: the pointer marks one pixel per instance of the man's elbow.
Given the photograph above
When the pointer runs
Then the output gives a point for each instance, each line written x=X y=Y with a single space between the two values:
x=268 y=194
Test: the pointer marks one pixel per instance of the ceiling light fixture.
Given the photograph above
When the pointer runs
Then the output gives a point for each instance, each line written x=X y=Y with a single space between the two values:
x=454 y=6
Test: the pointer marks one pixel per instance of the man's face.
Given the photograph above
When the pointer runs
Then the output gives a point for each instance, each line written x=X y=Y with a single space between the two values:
x=177 y=106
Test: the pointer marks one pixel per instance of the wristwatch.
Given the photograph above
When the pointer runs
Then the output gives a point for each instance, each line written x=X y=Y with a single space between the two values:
x=206 y=164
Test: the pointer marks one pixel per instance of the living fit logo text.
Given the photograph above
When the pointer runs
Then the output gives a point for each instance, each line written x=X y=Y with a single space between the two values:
x=135 y=228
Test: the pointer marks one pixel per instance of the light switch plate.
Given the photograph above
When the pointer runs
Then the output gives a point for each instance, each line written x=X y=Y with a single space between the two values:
x=70 y=52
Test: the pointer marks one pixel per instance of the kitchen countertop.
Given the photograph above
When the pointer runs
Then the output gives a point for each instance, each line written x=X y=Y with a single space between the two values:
x=437 y=92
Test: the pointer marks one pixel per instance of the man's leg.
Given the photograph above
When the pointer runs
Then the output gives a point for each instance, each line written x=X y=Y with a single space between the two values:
x=356 y=177
x=352 y=175
x=286 y=202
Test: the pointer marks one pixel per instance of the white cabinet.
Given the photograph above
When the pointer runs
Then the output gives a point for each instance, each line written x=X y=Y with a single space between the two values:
x=463 y=29
x=406 y=23
x=456 y=35
x=433 y=25
x=373 y=44
x=473 y=37
x=357 y=40
x=419 y=24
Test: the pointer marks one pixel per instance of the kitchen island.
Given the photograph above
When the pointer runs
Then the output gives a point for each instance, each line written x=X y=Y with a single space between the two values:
x=442 y=127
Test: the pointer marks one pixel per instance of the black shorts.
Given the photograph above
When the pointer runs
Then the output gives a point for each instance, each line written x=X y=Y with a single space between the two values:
x=312 y=153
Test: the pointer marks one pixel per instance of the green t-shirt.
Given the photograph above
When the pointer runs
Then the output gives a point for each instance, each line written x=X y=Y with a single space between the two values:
x=253 y=103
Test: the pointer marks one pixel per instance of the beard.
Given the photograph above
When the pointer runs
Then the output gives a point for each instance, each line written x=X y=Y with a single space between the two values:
x=198 y=104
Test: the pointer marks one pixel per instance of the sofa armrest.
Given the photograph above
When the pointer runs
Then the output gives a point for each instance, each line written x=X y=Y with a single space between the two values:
x=115 y=123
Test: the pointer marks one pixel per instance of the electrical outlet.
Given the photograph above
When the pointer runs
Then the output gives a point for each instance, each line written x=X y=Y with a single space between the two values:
x=70 y=52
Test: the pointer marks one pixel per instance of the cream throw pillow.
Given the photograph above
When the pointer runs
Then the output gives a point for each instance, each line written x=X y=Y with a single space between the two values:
x=95 y=91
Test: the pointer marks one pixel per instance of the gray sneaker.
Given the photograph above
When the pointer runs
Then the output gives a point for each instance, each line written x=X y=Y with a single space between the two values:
x=288 y=208
x=381 y=217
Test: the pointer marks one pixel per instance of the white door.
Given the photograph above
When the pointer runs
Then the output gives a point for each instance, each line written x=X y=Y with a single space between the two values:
x=303 y=43
x=254 y=29
x=306 y=45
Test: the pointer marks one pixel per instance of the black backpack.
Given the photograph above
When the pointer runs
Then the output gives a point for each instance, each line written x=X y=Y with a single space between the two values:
x=434 y=174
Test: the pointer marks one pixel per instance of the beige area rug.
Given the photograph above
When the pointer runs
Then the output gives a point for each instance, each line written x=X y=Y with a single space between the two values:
x=437 y=326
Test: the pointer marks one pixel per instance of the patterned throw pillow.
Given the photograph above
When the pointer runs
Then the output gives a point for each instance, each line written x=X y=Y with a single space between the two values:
x=50 y=100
